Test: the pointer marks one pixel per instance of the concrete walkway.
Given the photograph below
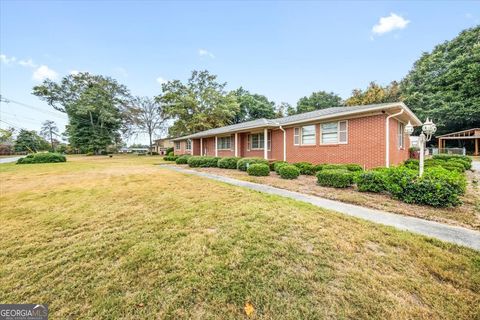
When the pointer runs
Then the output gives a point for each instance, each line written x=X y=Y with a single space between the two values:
x=458 y=235
x=8 y=160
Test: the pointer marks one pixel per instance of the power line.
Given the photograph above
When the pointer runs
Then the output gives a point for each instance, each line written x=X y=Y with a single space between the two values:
x=8 y=100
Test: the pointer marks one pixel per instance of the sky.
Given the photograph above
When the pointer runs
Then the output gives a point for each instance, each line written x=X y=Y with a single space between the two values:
x=283 y=50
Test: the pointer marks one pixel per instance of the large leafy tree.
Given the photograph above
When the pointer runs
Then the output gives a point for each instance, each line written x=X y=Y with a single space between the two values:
x=48 y=131
x=30 y=141
x=318 y=100
x=375 y=93
x=445 y=83
x=253 y=106
x=95 y=107
x=199 y=104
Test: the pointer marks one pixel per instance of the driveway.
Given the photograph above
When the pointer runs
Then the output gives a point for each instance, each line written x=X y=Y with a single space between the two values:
x=8 y=160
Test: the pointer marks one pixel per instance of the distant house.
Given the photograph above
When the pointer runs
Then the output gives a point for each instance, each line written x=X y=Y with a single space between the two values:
x=370 y=135
x=161 y=145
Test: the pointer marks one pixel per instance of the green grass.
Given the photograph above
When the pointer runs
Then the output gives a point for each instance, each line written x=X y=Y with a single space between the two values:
x=120 y=238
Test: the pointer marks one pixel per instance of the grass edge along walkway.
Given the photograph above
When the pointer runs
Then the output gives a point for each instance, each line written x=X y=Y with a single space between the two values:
x=454 y=234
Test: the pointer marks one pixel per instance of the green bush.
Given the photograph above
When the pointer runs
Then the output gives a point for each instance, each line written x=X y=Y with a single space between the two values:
x=306 y=168
x=371 y=181
x=228 y=163
x=452 y=156
x=278 y=165
x=338 y=178
x=49 y=157
x=288 y=171
x=170 y=158
x=458 y=165
x=182 y=159
x=412 y=163
x=170 y=153
x=242 y=163
x=258 y=169
x=349 y=167
x=438 y=187
x=319 y=167
x=90 y=153
x=202 y=162
x=274 y=163
x=154 y=153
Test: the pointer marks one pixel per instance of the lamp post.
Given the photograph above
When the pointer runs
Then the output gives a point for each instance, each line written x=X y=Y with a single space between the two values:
x=428 y=129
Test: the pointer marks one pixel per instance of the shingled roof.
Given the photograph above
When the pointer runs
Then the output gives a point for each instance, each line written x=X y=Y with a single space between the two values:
x=298 y=118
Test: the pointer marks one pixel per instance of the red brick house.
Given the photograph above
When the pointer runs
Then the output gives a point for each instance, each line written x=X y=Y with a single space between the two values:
x=370 y=135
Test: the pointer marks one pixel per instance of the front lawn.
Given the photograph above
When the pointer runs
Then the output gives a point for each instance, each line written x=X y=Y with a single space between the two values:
x=100 y=237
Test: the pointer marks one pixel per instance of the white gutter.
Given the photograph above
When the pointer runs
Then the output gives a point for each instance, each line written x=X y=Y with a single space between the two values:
x=284 y=143
x=387 y=137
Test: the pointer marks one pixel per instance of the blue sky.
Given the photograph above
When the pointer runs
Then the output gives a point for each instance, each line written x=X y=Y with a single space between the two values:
x=284 y=50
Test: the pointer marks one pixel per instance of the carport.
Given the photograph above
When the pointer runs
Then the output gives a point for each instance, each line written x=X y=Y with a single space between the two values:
x=465 y=135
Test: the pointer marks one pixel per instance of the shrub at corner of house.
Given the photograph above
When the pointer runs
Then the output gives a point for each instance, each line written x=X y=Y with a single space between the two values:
x=243 y=163
x=228 y=163
x=371 y=181
x=48 y=157
x=288 y=171
x=182 y=159
x=170 y=158
x=337 y=178
x=258 y=169
x=306 y=168
x=202 y=162
x=277 y=165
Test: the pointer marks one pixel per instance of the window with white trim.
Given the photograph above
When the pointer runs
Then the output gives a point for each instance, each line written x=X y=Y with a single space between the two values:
x=256 y=141
x=188 y=145
x=308 y=135
x=177 y=145
x=224 y=143
x=296 y=136
x=400 y=135
x=334 y=132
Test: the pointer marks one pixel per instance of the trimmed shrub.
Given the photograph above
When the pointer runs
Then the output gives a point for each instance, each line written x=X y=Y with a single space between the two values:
x=349 y=167
x=154 y=153
x=49 y=157
x=202 y=162
x=305 y=168
x=90 y=153
x=242 y=163
x=288 y=171
x=438 y=187
x=258 y=169
x=228 y=163
x=170 y=158
x=278 y=165
x=170 y=153
x=169 y=150
x=318 y=167
x=452 y=156
x=337 y=178
x=371 y=181
x=182 y=159
x=273 y=163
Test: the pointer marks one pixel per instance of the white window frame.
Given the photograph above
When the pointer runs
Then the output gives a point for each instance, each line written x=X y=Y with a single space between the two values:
x=219 y=147
x=269 y=141
x=188 y=145
x=338 y=133
x=400 y=135
x=296 y=136
x=177 y=145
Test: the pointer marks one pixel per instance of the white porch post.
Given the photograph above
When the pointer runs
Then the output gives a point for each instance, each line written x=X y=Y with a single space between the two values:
x=265 y=143
x=236 y=144
x=201 y=146
x=192 y=149
x=216 y=147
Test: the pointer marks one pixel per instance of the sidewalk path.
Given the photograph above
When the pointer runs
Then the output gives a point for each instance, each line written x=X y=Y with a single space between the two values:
x=8 y=160
x=458 y=235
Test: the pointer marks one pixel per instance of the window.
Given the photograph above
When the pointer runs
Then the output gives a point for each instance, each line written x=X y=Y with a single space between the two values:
x=334 y=132
x=224 y=143
x=177 y=145
x=256 y=141
x=296 y=136
x=401 y=129
x=188 y=145
x=308 y=135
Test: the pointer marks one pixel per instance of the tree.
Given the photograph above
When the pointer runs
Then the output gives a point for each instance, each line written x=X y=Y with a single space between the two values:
x=445 y=84
x=6 y=140
x=375 y=94
x=253 y=106
x=147 y=115
x=49 y=129
x=200 y=104
x=30 y=141
x=95 y=106
x=318 y=100
x=284 y=109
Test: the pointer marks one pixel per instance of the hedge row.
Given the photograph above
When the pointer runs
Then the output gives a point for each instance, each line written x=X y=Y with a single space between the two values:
x=338 y=178
x=170 y=158
x=258 y=169
x=202 y=162
x=244 y=163
x=182 y=159
x=452 y=164
x=48 y=157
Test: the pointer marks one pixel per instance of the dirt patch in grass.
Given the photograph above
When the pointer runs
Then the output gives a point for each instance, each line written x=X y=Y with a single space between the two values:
x=99 y=238
x=466 y=215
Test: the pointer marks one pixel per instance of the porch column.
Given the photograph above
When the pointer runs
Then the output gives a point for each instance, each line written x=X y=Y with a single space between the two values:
x=192 y=149
x=236 y=144
x=201 y=146
x=216 y=147
x=440 y=144
x=265 y=143
x=476 y=147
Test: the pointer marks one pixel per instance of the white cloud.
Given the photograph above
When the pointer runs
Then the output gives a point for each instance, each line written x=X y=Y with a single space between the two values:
x=44 y=72
x=7 y=60
x=161 y=80
x=205 y=53
x=390 y=23
x=27 y=63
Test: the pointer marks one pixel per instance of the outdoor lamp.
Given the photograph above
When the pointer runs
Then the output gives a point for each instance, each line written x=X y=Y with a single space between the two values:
x=409 y=128
x=428 y=129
